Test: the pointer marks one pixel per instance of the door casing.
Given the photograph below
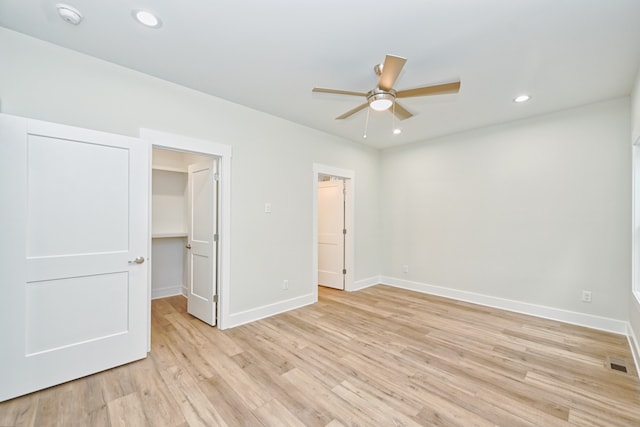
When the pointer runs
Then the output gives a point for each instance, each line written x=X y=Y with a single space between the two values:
x=169 y=141
x=350 y=180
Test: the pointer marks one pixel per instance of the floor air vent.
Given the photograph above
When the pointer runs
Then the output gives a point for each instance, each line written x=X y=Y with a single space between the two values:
x=618 y=365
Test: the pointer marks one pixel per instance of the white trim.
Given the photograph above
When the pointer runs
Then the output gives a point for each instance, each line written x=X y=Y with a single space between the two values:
x=635 y=220
x=150 y=241
x=634 y=344
x=350 y=176
x=566 y=316
x=365 y=283
x=243 y=317
x=223 y=152
x=168 y=291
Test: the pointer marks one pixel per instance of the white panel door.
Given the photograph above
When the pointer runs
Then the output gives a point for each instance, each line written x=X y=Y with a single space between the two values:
x=330 y=234
x=73 y=299
x=203 y=229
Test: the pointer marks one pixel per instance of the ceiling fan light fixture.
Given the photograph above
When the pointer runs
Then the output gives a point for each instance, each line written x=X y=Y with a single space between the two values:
x=381 y=101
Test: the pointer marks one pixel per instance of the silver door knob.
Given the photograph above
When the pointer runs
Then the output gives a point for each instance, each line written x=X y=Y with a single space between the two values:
x=188 y=246
x=138 y=260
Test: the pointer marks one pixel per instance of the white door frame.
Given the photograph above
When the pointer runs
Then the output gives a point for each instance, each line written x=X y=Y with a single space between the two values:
x=350 y=181
x=176 y=142
x=635 y=229
x=634 y=343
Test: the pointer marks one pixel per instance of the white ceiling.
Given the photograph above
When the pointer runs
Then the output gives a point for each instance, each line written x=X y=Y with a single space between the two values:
x=269 y=54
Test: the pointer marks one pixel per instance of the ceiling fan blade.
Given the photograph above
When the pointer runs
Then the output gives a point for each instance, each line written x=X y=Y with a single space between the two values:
x=353 y=111
x=390 y=71
x=339 y=92
x=442 y=89
x=400 y=112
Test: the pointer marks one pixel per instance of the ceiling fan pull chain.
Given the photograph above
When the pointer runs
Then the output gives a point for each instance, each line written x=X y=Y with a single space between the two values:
x=393 y=118
x=366 y=125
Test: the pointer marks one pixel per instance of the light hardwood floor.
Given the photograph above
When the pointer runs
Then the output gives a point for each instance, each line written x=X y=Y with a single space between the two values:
x=377 y=357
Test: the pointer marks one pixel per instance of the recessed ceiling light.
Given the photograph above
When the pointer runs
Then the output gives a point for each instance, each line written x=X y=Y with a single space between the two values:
x=397 y=131
x=521 y=98
x=147 y=18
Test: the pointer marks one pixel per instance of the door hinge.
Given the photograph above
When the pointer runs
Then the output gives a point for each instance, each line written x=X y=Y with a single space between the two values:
x=344 y=231
x=215 y=298
x=216 y=176
x=215 y=237
x=344 y=271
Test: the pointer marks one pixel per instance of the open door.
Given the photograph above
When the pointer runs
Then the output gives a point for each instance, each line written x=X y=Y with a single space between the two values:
x=202 y=241
x=73 y=277
x=331 y=234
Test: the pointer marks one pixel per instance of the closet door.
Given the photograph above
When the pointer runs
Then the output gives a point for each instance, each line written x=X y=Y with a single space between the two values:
x=73 y=284
x=202 y=244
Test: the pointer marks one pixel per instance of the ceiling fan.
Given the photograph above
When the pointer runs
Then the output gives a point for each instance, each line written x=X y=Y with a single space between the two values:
x=384 y=95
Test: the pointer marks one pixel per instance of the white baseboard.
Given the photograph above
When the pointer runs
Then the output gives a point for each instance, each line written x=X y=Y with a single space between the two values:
x=364 y=283
x=572 y=317
x=634 y=344
x=237 y=319
x=166 y=292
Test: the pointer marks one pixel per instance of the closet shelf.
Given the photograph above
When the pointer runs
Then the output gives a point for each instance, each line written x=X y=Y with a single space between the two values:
x=170 y=168
x=168 y=235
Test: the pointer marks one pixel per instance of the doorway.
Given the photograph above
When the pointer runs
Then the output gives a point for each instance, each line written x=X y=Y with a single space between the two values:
x=333 y=227
x=184 y=229
x=204 y=150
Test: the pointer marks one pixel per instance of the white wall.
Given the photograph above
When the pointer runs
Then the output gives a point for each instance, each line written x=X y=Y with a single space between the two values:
x=532 y=211
x=169 y=202
x=169 y=218
x=272 y=158
x=168 y=275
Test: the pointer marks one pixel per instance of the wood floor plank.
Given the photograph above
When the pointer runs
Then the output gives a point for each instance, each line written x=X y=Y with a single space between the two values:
x=380 y=356
x=274 y=413
x=228 y=401
x=324 y=399
x=159 y=406
x=196 y=408
x=379 y=410
x=279 y=389
x=21 y=411
x=127 y=411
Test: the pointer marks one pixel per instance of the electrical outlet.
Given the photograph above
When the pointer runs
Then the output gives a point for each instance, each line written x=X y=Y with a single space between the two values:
x=267 y=207
x=285 y=285
x=405 y=268
x=586 y=296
